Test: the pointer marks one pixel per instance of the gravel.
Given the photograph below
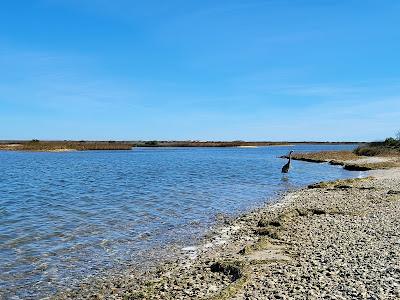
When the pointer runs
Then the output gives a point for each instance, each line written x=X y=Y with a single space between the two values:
x=331 y=241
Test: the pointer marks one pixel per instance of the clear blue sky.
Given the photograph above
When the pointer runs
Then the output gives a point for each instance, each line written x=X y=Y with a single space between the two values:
x=207 y=70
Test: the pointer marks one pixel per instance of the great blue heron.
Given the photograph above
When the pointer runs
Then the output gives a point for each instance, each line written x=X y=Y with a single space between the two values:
x=286 y=167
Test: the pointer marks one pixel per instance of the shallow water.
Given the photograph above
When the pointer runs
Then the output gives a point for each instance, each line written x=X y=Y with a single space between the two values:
x=66 y=216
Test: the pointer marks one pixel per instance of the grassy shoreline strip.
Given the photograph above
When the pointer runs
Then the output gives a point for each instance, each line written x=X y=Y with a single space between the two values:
x=65 y=146
x=349 y=160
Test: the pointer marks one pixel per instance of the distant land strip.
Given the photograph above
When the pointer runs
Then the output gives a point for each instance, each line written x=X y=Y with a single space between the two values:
x=60 y=146
x=56 y=146
x=225 y=143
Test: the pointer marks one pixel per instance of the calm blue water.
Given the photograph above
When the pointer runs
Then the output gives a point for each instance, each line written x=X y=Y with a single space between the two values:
x=64 y=216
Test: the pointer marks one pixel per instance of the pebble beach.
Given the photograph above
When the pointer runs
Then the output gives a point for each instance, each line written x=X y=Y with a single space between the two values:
x=332 y=240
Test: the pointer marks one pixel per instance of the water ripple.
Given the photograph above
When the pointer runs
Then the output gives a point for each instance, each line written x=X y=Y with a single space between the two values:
x=65 y=216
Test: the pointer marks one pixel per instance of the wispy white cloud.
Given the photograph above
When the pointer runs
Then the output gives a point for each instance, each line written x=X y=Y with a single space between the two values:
x=59 y=81
x=48 y=87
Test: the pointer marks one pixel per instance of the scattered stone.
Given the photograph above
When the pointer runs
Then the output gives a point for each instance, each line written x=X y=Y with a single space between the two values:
x=392 y=192
x=335 y=240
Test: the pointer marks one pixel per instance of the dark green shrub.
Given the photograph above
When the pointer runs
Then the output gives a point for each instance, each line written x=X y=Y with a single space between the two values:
x=390 y=146
x=151 y=143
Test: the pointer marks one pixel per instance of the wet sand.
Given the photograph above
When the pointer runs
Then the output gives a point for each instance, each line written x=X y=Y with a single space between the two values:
x=336 y=240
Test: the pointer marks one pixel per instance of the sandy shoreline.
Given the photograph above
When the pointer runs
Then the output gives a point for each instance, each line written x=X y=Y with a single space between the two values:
x=339 y=240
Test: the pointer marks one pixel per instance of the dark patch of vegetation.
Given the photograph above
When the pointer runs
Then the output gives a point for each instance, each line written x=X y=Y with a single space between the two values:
x=317 y=211
x=232 y=269
x=151 y=144
x=239 y=274
x=388 y=147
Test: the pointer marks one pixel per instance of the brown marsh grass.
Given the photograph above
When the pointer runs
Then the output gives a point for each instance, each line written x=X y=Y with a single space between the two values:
x=66 y=146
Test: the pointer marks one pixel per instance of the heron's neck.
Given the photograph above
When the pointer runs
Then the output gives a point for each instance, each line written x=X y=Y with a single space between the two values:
x=290 y=156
